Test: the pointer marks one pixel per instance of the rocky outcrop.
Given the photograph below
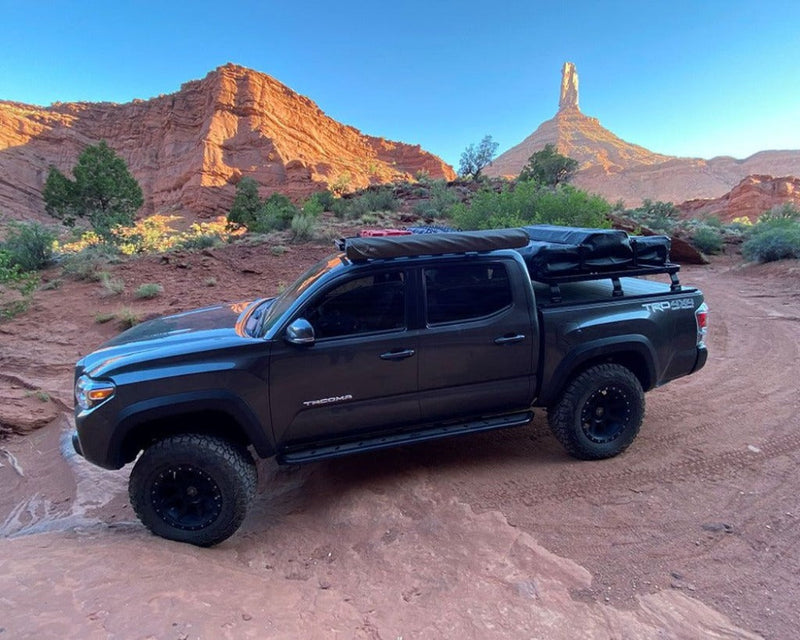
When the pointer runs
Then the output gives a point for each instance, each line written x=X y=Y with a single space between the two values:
x=619 y=170
x=190 y=148
x=752 y=197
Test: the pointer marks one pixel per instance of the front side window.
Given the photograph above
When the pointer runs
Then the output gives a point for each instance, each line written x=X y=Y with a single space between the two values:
x=363 y=305
x=285 y=300
x=457 y=293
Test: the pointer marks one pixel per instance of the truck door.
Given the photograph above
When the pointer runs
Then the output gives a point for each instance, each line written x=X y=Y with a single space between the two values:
x=476 y=352
x=360 y=373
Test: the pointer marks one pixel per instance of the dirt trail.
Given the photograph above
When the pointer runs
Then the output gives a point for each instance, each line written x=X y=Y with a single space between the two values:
x=690 y=534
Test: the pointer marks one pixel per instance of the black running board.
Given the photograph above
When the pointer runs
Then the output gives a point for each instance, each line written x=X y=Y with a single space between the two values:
x=299 y=456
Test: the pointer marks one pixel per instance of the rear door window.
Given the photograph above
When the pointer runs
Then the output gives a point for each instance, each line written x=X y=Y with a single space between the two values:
x=458 y=293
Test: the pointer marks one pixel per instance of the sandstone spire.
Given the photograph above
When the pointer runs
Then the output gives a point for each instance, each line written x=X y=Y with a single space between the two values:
x=569 y=87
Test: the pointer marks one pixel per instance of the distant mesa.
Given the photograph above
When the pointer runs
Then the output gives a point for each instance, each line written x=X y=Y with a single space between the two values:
x=620 y=170
x=189 y=149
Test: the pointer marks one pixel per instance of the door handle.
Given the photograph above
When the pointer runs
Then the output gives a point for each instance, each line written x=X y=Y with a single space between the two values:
x=509 y=339
x=399 y=354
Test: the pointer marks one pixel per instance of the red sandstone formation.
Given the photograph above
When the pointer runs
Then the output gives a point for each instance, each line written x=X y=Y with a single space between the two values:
x=189 y=149
x=619 y=170
x=752 y=197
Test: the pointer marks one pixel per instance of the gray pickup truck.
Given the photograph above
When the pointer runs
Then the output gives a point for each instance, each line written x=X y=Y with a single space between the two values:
x=391 y=341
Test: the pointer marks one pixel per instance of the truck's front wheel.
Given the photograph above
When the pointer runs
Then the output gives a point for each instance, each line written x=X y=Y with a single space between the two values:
x=599 y=413
x=193 y=488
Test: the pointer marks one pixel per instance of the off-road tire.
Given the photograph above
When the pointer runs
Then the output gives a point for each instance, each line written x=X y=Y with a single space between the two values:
x=193 y=488
x=599 y=412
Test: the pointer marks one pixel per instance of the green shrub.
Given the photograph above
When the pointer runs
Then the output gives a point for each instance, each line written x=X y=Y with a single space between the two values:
x=370 y=218
x=40 y=394
x=149 y=291
x=303 y=226
x=476 y=159
x=16 y=287
x=340 y=185
x=246 y=203
x=274 y=215
x=29 y=245
x=439 y=203
x=104 y=191
x=312 y=207
x=111 y=286
x=708 y=239
x=548 y=167
x=326 y=199
x=89 y=263
x=381 y=199
x=773 y=238
x=529 y=203
x=205 y=241
x=51 y=285
x=658 y=216
x=357 y=208
x=318 y=202
x=127 y=318
x=371 y=201
x=785 y=211
x=340 y=207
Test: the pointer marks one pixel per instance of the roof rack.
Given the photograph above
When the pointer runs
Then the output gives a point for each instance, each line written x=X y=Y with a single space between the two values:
x=554 y=255
x=626 y=272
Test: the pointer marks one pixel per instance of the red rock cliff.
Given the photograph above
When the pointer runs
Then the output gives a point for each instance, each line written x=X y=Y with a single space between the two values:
x=189 y=149
x=752 y=197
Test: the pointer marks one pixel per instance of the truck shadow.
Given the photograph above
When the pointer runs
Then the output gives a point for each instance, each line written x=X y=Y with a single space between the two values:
x=317 y=487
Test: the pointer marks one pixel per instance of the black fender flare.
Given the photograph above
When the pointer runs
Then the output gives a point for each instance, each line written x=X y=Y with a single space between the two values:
x=603 y=349
x=153 y=409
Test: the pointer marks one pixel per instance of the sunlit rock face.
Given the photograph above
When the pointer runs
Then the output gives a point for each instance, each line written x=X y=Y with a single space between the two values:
x=569 y=87
x=750 y=199
x=189 y=149
x=621 y=171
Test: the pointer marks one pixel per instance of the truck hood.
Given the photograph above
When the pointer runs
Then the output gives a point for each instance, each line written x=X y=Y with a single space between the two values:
x=171 y=336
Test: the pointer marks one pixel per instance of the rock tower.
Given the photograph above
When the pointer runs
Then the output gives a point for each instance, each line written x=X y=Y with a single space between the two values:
x=569 y=88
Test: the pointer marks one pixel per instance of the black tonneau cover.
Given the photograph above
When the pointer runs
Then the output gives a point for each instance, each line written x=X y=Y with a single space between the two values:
x=359 y=249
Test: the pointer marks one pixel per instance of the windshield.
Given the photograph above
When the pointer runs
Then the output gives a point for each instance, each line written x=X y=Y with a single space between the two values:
x=287 y=298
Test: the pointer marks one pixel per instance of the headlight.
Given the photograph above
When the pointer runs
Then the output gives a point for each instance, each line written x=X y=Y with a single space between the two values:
x=89 y=393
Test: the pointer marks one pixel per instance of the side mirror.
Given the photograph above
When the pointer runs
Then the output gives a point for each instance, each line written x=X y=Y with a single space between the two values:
x=300 y=332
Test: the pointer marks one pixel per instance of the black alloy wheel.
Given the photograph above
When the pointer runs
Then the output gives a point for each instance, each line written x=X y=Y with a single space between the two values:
x=193 y=488
x=605 y=414
x=599 y=413
x=186 y=497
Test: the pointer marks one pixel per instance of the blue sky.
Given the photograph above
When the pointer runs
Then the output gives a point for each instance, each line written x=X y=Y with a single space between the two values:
x=683 y=78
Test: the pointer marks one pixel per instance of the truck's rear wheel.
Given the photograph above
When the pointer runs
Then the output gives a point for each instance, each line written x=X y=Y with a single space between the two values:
x=193 y=488
x=599 y=413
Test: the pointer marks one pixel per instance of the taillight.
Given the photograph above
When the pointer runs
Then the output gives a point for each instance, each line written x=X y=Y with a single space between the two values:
x=701 y=317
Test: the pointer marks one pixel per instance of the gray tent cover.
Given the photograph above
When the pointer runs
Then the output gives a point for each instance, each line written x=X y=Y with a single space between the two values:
x=357 y=249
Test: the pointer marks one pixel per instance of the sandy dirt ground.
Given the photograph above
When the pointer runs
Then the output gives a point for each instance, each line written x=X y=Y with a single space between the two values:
x=692 y=533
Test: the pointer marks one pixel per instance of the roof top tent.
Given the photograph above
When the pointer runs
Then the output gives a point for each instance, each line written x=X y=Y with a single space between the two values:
x=386 y=247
